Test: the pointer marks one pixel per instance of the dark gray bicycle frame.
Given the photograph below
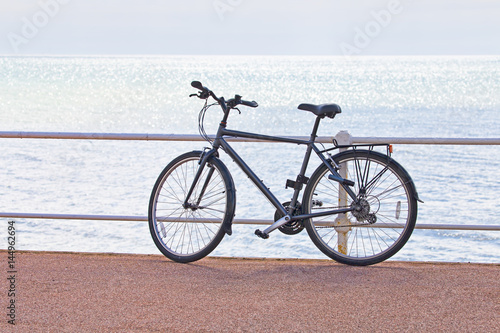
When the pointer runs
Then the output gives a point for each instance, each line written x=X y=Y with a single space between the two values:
x=220 y=142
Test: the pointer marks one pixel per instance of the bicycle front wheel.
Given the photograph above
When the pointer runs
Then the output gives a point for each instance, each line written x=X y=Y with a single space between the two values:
x=382 y=219
x=186 y=233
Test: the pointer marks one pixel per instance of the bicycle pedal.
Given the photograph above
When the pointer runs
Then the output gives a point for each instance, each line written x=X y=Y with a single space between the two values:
x=261 y=234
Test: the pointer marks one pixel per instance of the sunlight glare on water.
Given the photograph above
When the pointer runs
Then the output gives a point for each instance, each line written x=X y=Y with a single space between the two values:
x=379 y=96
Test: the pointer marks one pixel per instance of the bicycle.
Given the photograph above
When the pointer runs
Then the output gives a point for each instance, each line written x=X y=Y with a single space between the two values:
x=371 y=196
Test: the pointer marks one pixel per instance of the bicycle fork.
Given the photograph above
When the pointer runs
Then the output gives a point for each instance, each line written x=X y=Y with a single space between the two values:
x=196 y=204
x=202 y=163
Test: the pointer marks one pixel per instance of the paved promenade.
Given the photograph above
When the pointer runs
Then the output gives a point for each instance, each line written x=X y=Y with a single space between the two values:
x=79 y=292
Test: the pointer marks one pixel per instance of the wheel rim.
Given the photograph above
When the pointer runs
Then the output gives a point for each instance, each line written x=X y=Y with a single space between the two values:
x=187 y=231
x=379 y=226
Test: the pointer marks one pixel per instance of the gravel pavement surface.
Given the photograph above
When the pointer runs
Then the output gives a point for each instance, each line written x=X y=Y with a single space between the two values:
x=82 y=292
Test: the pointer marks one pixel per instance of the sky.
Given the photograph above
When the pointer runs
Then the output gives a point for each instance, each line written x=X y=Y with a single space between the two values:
x=250 y=27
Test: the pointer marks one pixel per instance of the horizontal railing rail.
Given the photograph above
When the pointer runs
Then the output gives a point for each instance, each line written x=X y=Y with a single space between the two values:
x=138 y=218
x=342 y=137
x=196 y=137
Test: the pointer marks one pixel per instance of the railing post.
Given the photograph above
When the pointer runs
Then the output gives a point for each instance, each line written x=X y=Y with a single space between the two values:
x=343 y=138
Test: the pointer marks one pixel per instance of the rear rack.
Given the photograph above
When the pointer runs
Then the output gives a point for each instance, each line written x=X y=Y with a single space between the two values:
x=370 y=146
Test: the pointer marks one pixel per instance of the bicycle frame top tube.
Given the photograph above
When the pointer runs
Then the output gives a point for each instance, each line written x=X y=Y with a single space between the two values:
x=239 y=134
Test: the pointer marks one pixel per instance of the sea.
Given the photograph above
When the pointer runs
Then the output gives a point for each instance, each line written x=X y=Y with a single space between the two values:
x=386 y=96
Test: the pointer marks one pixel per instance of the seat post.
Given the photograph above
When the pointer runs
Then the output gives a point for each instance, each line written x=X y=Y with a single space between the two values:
x=315 y=129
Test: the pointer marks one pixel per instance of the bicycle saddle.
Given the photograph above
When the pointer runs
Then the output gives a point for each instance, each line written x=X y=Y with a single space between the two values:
x=322 y=110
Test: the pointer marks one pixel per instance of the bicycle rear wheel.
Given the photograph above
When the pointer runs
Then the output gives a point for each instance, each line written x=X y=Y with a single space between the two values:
x=186 y=234
x=382 y=221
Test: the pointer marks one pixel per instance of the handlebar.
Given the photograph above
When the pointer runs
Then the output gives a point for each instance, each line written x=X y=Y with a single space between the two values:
x=231 y=103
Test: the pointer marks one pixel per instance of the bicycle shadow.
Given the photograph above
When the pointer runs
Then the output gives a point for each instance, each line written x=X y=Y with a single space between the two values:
x=291 y=271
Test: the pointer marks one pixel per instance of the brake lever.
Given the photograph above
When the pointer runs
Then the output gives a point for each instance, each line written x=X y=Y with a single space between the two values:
x=201 y=95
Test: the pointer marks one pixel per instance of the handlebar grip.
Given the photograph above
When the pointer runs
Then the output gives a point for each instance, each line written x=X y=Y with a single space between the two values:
x=252 y=104
x=198 y=85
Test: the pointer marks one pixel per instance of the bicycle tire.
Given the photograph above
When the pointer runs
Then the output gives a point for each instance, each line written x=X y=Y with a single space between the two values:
x=189 y=234
x=386 y=216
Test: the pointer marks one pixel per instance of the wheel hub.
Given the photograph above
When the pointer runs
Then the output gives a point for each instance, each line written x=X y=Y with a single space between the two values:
x=190 y=206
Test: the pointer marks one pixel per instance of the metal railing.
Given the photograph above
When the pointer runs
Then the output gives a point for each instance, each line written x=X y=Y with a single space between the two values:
x=342 y=138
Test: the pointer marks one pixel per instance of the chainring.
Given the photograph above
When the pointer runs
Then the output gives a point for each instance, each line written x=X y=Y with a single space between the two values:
x=290 y=228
